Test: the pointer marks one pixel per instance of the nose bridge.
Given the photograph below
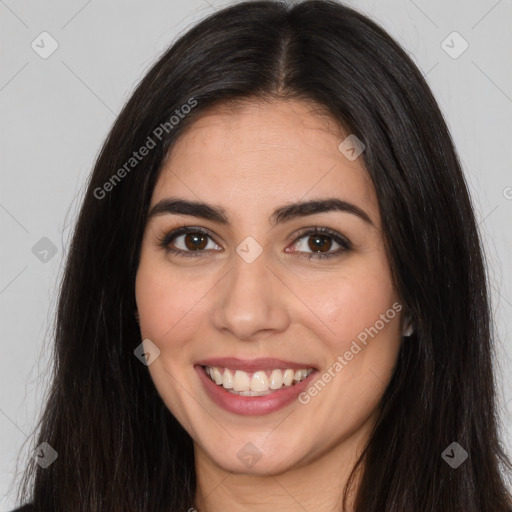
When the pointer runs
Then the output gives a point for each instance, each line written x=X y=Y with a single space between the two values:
x=250 y=300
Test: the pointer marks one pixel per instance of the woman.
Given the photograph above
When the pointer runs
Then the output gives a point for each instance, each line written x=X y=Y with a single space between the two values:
x=275 y=295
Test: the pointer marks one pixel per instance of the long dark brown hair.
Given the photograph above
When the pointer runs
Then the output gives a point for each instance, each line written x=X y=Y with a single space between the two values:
x=119 y=448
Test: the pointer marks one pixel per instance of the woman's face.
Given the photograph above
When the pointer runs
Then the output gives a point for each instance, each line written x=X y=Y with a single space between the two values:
x=250 y=286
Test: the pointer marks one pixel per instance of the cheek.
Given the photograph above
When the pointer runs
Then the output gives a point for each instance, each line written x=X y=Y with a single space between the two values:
x=168 y=307
x=352 y=300
x=362 y=311
x=165 y=300
x=156 y=301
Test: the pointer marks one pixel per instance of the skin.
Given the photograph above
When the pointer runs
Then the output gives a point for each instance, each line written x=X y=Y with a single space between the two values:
x=251 y=159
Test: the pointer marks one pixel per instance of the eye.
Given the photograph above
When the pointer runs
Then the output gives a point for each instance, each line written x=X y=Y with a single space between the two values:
x=320 y=241
x=194 y=241
x=187 y=241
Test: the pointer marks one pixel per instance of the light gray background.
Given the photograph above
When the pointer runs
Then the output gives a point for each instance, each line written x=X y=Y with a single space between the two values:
x=57 y=111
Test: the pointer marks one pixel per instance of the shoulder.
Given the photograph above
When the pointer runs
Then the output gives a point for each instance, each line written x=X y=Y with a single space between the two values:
x=24 y=508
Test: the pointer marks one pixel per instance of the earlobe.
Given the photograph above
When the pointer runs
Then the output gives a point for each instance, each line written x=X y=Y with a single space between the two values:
x=408 y=330
x=408 y=326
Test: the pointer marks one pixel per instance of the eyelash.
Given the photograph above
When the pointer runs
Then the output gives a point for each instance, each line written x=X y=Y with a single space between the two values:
x=165 y=240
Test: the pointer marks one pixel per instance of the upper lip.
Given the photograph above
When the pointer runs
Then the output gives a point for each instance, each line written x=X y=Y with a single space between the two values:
x=252 y=365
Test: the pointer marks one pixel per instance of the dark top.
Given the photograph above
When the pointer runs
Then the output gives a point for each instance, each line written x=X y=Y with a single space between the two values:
x=25 y=508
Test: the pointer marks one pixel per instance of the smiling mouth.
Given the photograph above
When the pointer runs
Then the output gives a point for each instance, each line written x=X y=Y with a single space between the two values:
x=258 y=383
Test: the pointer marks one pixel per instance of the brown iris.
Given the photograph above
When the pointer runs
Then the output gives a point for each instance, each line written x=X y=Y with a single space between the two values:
x=319 y=243
x=195 y=241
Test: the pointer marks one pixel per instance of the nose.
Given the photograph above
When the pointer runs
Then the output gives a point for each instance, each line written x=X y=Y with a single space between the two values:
x=250 y=301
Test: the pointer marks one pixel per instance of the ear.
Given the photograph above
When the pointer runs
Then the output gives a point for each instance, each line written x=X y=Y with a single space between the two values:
x=136 y=315
x=408 y=328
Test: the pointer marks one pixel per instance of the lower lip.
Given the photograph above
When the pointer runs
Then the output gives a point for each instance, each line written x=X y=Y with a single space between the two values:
x=252 y=405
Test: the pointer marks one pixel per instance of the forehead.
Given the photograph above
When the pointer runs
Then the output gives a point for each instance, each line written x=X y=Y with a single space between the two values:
x=253 y=156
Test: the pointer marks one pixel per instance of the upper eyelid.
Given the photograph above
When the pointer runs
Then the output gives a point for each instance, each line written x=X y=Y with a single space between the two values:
x=184 y=230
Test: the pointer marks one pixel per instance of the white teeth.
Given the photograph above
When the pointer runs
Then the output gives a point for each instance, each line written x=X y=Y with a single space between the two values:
x=250 y=393
x=288 y=377
x=217 y=376
x=259 y=384
x=241 y=381
x=276 y=379
x=227 y=379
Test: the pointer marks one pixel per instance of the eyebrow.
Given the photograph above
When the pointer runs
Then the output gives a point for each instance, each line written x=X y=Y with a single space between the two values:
x=280 y=215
